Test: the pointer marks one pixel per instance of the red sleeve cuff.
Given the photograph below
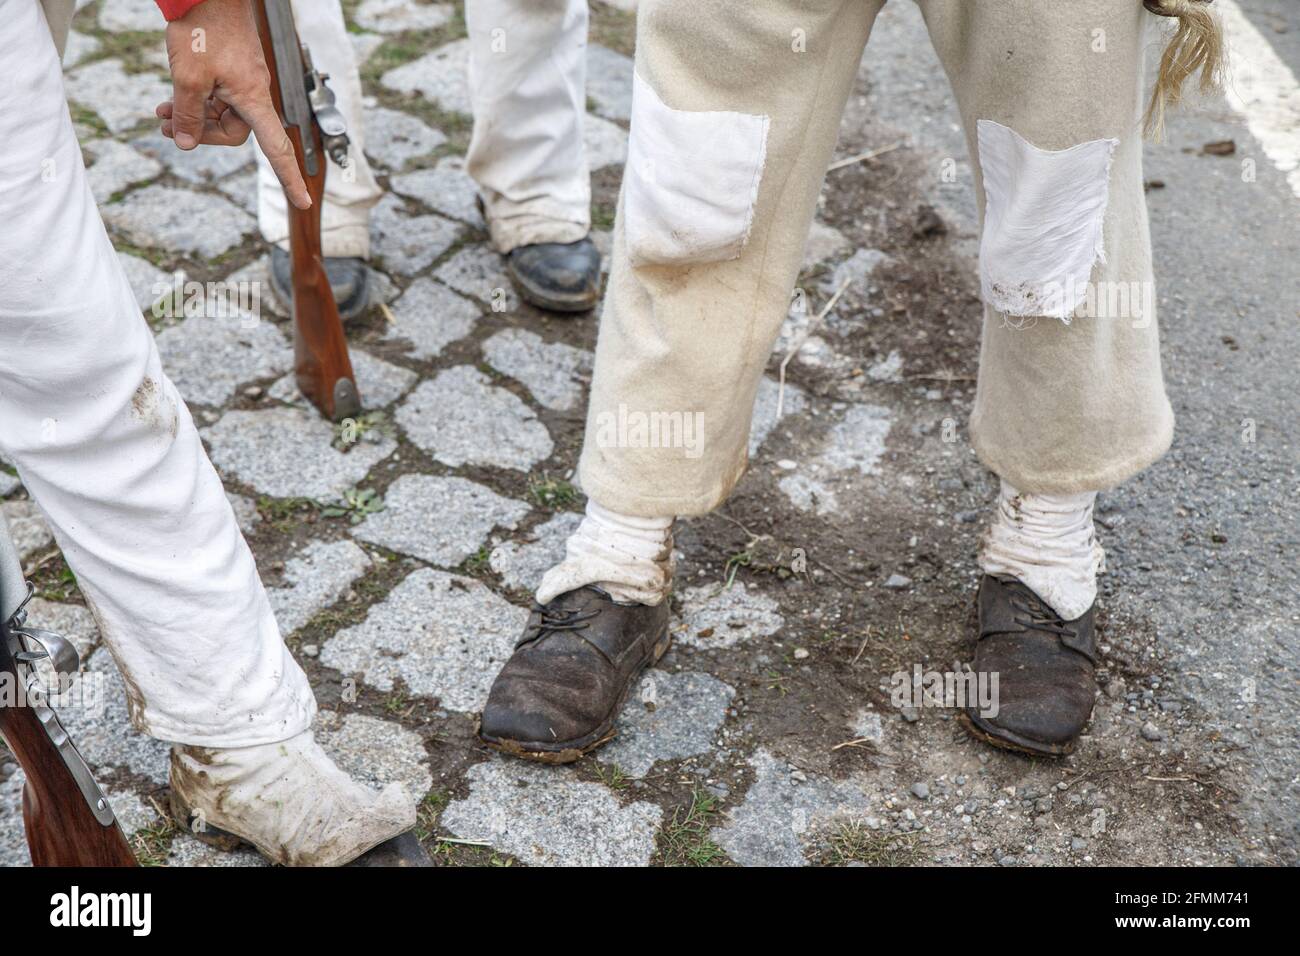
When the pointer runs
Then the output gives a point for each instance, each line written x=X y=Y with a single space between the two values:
x=175 y=9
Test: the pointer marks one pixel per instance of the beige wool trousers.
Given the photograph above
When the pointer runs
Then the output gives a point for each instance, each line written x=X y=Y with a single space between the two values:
x=736 y=108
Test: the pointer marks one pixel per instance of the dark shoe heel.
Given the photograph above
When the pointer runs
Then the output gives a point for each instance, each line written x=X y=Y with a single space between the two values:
x=185 y=818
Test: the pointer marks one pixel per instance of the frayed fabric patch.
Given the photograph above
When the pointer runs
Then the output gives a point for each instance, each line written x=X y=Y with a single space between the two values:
x=691 y=181
x=1042 y=221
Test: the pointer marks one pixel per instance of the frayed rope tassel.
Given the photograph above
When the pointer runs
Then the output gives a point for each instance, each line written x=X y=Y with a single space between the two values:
x=1196 y=46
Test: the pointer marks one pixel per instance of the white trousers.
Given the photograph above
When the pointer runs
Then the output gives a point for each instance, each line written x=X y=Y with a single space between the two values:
x=107 y=449
x=527 y=82
x=349 y=193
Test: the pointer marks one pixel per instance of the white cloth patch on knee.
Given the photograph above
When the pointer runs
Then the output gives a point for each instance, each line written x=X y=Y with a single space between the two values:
x=1042 y=221
x=1049 y=544
x=691 y=181
x=629 y=558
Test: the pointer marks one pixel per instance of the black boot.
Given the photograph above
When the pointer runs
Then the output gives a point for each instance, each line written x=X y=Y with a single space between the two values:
x=557 y=276
x=349 y=280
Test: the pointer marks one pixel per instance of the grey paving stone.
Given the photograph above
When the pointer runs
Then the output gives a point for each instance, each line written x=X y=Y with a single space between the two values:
x=667 y=717
x=79 y=47
x=779 y=819
x=315 y=578
x=609 y=82
x=477 y=271
x=445 y=188
x=245 y=512
x=364 y=45
x=442 y=520
x=555 y=373
x=546 y=816
x=73 y=621
x=857 y=269
x=460 y=418
x=393 y=137
x=145 y=279
x=406 y=244
x=395 y=16
x=130 y=15
x=209 y=358
x=122 y=100
x=257 y=275
x=288 y=452
x=102 y=727
x=714 y=617
x=867 y=725
x=203 y=164
x=521 y=564
x=242 y=189
x=375 y=752
x=888 y=369
x=379 y=383
x=445 y=636
x=823 y=244
x=430 y=316
x=27 y=527
x=440 y=76
x=187 y=851
x=117 y=166
x=808 y=493
x=858 y=439
x=769 y=396
x=606 y=142
x=164 y=217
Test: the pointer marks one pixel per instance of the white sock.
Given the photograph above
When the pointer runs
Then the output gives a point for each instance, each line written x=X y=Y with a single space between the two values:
x=290 y=800
x=1048 y=543
x=629 y=558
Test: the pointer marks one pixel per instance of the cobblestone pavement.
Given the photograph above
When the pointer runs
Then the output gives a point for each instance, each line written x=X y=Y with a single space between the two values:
x=400 y=563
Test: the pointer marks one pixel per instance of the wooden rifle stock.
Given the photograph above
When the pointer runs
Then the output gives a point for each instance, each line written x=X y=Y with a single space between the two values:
x=63 y=829
x=321 y=363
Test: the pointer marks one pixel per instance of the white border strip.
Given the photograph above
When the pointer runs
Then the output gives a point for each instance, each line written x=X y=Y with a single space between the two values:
x=1263 y=90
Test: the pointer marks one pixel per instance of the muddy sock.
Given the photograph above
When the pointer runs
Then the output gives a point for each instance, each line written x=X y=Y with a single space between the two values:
x=289 y=800
x=1048 y=543
x=629 y=558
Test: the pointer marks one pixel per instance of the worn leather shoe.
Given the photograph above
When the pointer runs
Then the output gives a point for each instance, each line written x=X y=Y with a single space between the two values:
x=1045 y=666
x=558 y=695
x=558 y=276
x=349 y=281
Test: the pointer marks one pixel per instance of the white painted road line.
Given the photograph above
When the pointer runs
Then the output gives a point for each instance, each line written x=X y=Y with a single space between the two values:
x=1264 y=91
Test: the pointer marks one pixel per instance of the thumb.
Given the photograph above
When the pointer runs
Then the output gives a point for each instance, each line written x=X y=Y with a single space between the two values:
x=187 y=112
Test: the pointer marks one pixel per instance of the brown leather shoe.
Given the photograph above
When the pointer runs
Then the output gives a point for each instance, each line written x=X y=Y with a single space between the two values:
x=1045 y=667
x=559 y=694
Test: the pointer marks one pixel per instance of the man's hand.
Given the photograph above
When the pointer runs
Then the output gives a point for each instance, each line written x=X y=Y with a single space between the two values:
x=221 y=89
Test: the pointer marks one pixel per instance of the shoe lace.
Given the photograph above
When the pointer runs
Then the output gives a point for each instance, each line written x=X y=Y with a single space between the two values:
x=1034 y=613
x=552 y=619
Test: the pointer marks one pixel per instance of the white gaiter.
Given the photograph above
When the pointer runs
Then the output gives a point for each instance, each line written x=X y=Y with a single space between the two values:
x=629 y=558
x=290 y=800
x=1048 y=543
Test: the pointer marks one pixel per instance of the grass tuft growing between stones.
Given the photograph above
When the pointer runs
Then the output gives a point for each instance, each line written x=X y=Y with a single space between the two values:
x=553 y=493
x=685 y=840
x=856 y=843
x=152 y=843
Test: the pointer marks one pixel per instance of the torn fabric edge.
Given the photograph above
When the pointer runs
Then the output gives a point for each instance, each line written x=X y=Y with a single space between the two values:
x=1043 y=221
